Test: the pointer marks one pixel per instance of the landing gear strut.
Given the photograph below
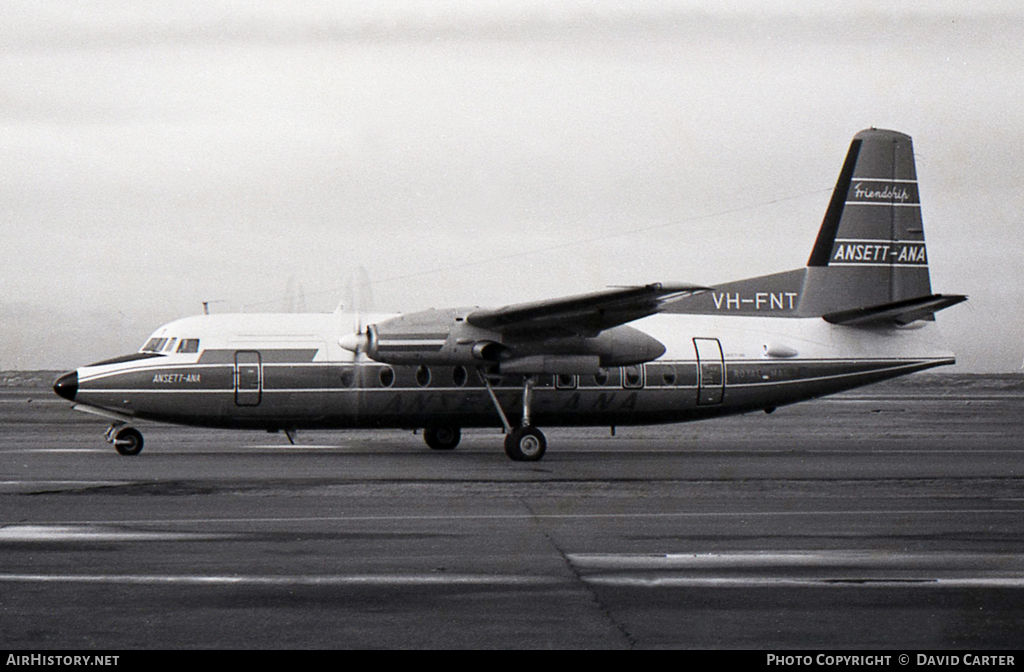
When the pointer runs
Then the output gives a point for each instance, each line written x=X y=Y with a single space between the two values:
x=524 y=443
x=127 y=440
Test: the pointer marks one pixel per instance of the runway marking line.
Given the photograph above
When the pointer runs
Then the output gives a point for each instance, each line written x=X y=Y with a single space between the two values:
x=64 y=482
x=778 y=582
x=439 y=578
x=802 y=559
x=9 y=487
x=55 y=450
x=776 y=569
x=36 y=533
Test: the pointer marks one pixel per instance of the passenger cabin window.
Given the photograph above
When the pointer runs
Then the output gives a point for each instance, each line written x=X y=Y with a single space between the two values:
x=633 y=376
x=348 y=376
x=565 y=381
x=188 y=345
x=661 y=375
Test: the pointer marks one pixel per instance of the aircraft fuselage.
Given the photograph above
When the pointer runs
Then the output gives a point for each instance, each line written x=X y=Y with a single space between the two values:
x=279 y=372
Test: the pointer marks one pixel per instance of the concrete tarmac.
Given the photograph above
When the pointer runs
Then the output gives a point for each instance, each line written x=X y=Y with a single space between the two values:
x=891 y=518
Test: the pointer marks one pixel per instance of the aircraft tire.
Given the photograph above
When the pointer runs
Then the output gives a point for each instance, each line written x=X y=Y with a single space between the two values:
x=525 y=444
x=442 y=438
x=128 y=441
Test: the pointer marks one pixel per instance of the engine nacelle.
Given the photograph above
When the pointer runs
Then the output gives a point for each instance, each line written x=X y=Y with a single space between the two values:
x=433 y=337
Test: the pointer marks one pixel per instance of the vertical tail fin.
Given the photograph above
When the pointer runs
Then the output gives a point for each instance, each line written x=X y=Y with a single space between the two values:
x=870 y=250
x=869 y=264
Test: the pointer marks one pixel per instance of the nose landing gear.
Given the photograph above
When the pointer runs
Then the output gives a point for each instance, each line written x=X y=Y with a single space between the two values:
x=126 y=440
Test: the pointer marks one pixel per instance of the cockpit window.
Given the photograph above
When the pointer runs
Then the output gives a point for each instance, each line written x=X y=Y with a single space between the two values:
x=188 y=345
x=154 y=345
x=170 y=345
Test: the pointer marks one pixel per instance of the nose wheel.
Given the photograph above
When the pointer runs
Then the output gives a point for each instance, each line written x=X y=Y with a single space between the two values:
x=126 y=440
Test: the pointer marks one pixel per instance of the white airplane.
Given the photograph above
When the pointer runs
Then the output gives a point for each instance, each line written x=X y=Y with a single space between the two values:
x=861 y=311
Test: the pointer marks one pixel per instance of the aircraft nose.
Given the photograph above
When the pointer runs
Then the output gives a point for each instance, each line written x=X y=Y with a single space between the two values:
x=67 y=385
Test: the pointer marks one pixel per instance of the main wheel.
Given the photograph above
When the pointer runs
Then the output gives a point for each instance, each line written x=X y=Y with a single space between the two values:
x=525 y=444
x=128 y=441
x=442 y=438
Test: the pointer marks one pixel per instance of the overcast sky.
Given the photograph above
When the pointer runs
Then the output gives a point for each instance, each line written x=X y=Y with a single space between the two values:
x=157 y=155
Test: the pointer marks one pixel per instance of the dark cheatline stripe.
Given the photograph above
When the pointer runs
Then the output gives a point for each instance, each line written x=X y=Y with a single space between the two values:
x=411 y=336
x=267 y=355
x=409 y=347
x=739 y=373
x=127 y=358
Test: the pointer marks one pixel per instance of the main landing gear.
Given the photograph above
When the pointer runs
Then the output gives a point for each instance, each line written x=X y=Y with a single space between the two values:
x=442 y=438
x=524 y=443
x=127 y=440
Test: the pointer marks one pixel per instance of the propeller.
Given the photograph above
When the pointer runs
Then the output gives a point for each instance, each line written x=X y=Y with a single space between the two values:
x=358 y=298
x=357 y=342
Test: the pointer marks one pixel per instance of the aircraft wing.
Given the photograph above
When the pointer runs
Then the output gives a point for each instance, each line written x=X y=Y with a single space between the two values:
x=580 y=315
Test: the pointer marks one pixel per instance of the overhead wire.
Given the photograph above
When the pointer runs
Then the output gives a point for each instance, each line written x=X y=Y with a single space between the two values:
x=559 y=246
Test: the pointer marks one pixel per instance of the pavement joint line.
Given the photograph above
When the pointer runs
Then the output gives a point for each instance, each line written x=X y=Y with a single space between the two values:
x=383 y=580
x=510 y=516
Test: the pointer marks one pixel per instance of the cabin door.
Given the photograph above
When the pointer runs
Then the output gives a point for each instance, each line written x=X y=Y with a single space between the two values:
x=248 y=378
x=710 y=371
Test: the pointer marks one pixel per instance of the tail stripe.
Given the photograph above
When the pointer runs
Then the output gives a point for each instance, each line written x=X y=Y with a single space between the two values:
x=873 y=240
x=840 y=263
x=887 y=205
x=823 y=245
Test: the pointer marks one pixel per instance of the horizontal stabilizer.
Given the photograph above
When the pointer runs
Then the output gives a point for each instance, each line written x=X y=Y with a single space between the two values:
x=900 y=312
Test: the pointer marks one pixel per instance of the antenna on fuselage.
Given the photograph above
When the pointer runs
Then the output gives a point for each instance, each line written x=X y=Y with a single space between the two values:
x=206 y=306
